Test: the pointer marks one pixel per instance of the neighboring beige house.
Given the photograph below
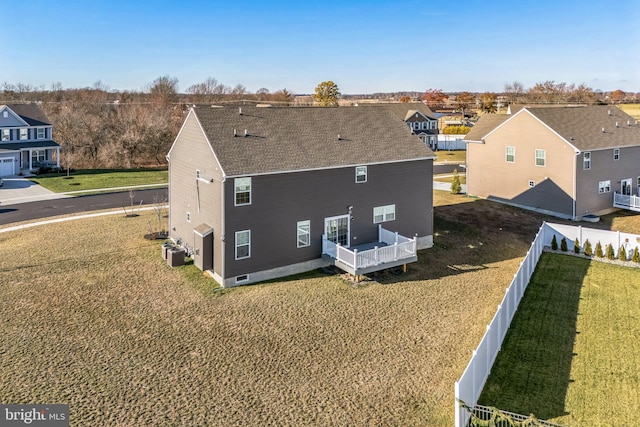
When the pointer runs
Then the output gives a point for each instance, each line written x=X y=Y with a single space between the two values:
x=568 y=162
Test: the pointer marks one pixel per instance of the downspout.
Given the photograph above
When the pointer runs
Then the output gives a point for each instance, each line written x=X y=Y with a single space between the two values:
x=223 y=236
x=169 y=194
x=575 y=168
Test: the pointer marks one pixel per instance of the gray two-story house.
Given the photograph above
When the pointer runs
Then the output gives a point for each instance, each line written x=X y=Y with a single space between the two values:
x=259 y=193
x=26 y=140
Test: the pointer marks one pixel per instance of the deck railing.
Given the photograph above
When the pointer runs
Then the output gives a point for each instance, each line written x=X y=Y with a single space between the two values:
x=397 y=247
x=624 y=201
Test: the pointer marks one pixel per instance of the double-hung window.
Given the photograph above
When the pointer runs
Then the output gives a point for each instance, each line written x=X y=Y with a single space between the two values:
x=616 y=154
x=243 y=244
x=586 y=160
x=361 y=174
x=242 y=191
x=510 y=154
x=303 y=232
x=6 y=134
x=384 y=213
x=24 y=134
x=604 y=186
x=541 y=157
x=40 y=133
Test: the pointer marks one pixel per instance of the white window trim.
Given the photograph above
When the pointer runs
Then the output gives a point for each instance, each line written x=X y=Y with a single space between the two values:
x=248 y=244
x=365 y=174
x=44 y=133
x=26 y=134
x=616 y=154
x=604 y=186
x=300 y=231
x=586 y=160
x=543 y=158
x=188 y=216
x=6 y=132
x=387 y=212
x=506 y=154
x=5 y=114
x=235 y=191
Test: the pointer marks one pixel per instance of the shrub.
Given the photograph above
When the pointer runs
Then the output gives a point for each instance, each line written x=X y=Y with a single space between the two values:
x=636 y=255
x=554 y=243
x=588 y=251
x=563 y=245
x=456 y=188
x=576 y=246
x=622 y=254
x=599 y=252
x=610 y=254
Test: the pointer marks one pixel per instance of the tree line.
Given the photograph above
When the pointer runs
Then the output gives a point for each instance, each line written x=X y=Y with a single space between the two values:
x=100 y=128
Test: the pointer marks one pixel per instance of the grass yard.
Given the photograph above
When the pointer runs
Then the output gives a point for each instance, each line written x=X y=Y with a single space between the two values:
x=631 y=109
x=91 y=179
x=93 y=317
x=455 y=156
x=571 y=355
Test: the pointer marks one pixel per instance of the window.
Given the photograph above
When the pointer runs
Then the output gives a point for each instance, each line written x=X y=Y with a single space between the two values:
x=197 y=173
x=243 y=191
x=532 y=184
x=24 y=133
x=586 y=160
x=361 y=174
x=188 y=216
x=5 y=114
x=384 y=213
x=242 y=279
x=541 y=157
x=616 y=154
x=510 y=154
x=604 y=186
x=38 y=156
x=424 y=125
x=304 y=232
x=6 y=134
x=433 y=125
x=40 y=133
x=243 y=244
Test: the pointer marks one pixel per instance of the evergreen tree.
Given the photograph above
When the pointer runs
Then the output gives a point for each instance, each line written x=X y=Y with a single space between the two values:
x=588 y=251
x=622 y=254
x=636 y=255
x=599 y=252
x=610 y=254
x=456 y=188
x=554 y=243
x=576 y=246
x=563 y=245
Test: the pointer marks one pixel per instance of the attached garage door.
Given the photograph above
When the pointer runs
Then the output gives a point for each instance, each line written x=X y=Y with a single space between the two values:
x=6 y=166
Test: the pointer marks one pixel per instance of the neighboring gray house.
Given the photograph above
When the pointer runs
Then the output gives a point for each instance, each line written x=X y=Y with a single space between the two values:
x=25 y=139
x=259 y=193
x=563 y=161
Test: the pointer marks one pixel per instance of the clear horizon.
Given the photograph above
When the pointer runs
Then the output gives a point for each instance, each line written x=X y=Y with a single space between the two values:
x=364 y=47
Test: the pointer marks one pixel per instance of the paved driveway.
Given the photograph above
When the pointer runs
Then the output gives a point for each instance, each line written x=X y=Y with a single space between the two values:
x=19 y=190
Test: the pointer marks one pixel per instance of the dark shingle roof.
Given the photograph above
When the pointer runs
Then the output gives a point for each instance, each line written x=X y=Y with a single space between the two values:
x=14 y=146
x=30 y=113
x=485 y=124
x=292 y=139
x=582 y=126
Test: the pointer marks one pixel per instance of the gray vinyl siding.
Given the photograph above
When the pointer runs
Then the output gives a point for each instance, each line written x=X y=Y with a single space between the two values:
x=191 y=151
x=603 y=168
x=279 y=201
x=11 y=120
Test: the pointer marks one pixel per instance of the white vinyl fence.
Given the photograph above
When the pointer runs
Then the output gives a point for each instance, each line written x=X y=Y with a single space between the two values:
x=470 y=384
x=451 y=142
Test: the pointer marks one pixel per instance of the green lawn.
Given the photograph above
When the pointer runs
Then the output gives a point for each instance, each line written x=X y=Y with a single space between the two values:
x=457 y=156
x=90 y=179
x=571 y=355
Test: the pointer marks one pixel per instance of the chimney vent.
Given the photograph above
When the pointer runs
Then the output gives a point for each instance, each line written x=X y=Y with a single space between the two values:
x=339 y=137
x=609 y=112
x=602 y=130
x=628 y=122
x=246 y=133
x=240 y=110
x=235 y=133
x=616 y=124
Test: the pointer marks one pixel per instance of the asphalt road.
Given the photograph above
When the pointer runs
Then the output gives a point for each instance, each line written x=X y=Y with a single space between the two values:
x=448 y=168
x=48 y=208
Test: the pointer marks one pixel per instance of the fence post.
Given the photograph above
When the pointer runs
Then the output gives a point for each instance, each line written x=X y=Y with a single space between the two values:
x=396 y=237
x=376 y=257
x=355 y=258
x=395 y=249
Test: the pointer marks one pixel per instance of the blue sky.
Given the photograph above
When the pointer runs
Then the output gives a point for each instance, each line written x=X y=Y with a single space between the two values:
x=363 y=46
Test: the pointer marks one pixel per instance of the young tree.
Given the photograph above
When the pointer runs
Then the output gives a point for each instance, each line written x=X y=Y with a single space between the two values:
x=636 y=255
x=327 y=94
x=554 y=243
x=610 y=253
x=563 y=245
x=456 y=188
x=576 y=246
x=599 y=252
x=588 y=251
x=622 y=253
